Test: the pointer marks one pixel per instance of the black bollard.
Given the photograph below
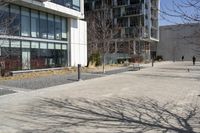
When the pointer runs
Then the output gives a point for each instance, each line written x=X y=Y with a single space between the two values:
x=79 y=72
x=152 y=62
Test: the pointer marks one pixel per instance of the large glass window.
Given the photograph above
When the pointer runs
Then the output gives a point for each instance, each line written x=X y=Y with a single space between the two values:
x=21 y=21
x=4 y=46
x=35 y=54
x=25 y=22
x=50 y=26
x=50 y=45
x=68 y=3
x=4 y=20
x=4 y=43
x=64 y=55
x=50 y=55
x=76 y=5
x=26 y=44
x=43 y=55
x=5 y=53
x=26 y=61
x=58 y=46
x=15 y=19
x=58 y=27
x=64 y=29
x=58 y=55
x=15 y=55
x=64 y=47
x=15 y=44
x=35 y=45
x=34 y=23
x=43 y=45
x=43 y=25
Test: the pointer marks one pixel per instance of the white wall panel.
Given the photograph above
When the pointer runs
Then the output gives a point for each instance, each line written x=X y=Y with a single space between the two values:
x=78 y=42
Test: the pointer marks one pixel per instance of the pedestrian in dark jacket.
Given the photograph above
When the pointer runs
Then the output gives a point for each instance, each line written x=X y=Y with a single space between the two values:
x=193 y=60
x=182 y=58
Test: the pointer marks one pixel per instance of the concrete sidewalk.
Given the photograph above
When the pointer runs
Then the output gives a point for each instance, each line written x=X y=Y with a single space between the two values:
x=165 y=82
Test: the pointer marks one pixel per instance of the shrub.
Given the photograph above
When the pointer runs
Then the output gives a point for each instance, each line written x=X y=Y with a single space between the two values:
x=95 y=58
x=136 y=59
x=159 y=58
x=121 y=61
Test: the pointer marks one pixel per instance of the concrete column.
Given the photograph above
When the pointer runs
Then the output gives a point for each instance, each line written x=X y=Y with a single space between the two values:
x=82 y=6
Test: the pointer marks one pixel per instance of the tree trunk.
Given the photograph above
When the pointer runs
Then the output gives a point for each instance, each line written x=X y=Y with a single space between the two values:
x=104 y=71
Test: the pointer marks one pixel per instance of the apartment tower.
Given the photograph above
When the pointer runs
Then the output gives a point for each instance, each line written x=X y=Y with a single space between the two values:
x=137 y=21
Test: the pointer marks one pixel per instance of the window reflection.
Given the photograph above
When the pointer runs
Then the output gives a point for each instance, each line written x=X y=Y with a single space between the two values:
x=15 y=17
x=15 y=56
x=43 y=25
x=64 y=29
x=58 y=28
x=34 y=23
x=42 y=53
x=4 y=19
x=74 y=4
x=25 y=22
x=50 y=26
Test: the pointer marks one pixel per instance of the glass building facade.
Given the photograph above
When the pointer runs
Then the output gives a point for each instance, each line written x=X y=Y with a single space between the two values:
x=39 y=39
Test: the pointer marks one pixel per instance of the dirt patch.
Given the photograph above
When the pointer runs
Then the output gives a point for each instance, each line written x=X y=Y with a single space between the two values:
x=45 y=73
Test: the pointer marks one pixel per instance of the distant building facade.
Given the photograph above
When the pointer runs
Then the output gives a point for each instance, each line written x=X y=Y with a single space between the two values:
x=43 y=34
x=179 y=40
x=138 y=25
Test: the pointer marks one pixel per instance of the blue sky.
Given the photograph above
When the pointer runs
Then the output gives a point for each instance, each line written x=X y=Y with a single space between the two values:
x=168 y=20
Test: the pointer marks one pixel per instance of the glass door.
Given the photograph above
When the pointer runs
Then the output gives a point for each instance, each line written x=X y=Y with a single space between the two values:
x=25 y=59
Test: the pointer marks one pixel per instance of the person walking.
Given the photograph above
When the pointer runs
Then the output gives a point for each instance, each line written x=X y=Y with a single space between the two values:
x=193 y=60
x=182 y=58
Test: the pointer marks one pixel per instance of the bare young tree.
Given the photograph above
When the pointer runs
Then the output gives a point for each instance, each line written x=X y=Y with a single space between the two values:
x=187 y=12
x=7 y=27
x=101 y=31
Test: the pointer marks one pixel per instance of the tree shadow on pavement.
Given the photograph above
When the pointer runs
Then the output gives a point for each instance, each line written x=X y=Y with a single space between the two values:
x=136 y=115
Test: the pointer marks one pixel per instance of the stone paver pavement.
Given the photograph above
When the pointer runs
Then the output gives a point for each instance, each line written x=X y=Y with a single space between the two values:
x=165 y=82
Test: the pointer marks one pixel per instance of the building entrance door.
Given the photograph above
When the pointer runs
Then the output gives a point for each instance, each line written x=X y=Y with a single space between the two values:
x=25 y=59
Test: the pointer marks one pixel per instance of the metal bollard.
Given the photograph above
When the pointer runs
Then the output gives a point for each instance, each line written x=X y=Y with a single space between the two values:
x=79 y=72
x=152 y=62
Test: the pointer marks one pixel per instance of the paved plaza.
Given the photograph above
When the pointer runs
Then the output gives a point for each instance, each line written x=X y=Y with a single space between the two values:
x=166 y=82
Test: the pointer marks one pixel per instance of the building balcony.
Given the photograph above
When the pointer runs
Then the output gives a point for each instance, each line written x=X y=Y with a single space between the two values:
x=120 y=3
x=133 y=10
x=55 y=7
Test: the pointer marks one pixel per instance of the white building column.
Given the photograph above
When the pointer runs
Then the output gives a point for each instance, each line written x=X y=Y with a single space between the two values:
x=78 y=42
